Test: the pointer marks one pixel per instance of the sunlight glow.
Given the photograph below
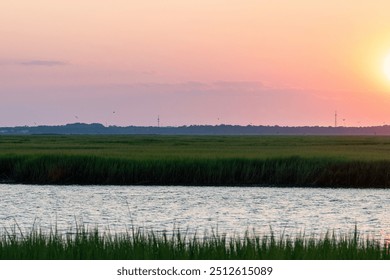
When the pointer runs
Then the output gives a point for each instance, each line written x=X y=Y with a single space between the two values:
x=386 y=66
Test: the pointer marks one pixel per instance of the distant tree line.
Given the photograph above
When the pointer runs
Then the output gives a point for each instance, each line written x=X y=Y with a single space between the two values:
x=97 y=128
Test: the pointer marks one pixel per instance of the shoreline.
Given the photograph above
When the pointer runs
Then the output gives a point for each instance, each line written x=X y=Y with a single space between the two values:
x=309 y=161
x=283 y=172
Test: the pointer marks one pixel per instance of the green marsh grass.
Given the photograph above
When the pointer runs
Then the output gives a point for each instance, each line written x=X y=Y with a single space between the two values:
x=141 y=245
x=197 y=160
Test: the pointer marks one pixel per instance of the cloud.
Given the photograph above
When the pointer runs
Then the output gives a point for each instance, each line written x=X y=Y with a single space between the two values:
x=46 y=63
x=148 y=72
x=223 y=87
x=239 y=84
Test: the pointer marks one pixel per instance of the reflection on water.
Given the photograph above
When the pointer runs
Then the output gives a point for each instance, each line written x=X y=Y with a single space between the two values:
x=230 y=210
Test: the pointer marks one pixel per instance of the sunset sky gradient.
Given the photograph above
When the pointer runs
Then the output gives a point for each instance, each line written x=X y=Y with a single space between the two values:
x=125 y=62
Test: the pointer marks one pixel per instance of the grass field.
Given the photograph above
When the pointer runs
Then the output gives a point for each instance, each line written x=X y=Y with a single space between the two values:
x=351 y=161
x=192 y=160
x=140 y=245
x=209 y=147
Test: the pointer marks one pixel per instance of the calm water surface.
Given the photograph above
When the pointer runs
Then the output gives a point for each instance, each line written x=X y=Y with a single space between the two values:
x=230 y=210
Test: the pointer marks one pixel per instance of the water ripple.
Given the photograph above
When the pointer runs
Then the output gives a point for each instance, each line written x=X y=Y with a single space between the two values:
x=196 y=209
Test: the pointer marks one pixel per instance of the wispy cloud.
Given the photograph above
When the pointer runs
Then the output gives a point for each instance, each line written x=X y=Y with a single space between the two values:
x=47 y=63
x=239 y=84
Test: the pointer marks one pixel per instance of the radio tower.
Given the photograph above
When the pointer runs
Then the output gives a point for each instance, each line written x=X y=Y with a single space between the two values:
x=335 y=118
x=158 y=121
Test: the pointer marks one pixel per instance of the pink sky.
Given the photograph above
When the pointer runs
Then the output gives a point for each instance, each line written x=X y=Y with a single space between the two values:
x=194 y=62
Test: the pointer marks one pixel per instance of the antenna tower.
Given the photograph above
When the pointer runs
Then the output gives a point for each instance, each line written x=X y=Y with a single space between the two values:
x=335 y=118
x=158 y=121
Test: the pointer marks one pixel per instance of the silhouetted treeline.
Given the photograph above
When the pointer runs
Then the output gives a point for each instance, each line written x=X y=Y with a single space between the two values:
x=96 y=128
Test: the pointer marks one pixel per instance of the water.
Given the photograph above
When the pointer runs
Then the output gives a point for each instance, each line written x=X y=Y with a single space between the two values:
x=230 y=210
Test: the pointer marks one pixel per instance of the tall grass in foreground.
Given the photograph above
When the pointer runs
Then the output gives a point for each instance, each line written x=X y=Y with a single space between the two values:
x=79 y=169
x=140 y=245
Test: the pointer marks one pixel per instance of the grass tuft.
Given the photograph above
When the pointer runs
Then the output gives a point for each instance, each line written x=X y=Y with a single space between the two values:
x=138 y=244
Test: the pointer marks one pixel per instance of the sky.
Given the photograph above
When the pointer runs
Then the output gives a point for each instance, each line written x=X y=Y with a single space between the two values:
x=240 y=62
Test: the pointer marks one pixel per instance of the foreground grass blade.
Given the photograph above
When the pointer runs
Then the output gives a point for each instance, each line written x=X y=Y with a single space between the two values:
x=138 y=244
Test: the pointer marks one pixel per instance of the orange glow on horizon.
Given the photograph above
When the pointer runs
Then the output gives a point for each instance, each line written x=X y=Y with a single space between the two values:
x=325 y=54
